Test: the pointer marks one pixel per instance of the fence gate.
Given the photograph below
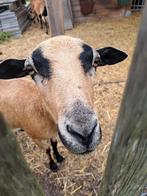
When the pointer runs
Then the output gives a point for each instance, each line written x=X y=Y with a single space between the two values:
x=137 y=5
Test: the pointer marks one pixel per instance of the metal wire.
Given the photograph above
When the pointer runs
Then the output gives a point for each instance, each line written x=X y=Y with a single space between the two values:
x=137 y=5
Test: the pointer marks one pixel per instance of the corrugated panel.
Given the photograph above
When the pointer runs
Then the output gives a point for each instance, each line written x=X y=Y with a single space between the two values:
x=14 y=22
x=6 y=2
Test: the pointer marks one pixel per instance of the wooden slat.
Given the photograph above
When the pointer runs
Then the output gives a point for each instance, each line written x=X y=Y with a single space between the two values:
x=68 y=18
x=55 y=16
x=75 y=2
x=76 y=8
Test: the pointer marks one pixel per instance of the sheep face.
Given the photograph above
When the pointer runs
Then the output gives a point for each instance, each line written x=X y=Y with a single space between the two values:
x=62 y=68
x=67 y=88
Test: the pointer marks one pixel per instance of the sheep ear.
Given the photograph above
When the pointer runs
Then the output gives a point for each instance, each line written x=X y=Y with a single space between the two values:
x=12 y=68
x=109 y=56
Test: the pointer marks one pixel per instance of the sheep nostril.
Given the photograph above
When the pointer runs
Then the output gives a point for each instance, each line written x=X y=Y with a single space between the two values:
x=74 y=133
x=68 y=128
x=89 y=138
x=82 y=138
x=93 y=129
x=100 y=132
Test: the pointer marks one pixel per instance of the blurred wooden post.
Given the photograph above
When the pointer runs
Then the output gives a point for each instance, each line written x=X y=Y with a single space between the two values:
x=55 y=16
x=16 y=178
x=126 y=170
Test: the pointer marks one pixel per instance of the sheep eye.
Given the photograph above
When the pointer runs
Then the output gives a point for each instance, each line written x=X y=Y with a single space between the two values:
x=97 y=62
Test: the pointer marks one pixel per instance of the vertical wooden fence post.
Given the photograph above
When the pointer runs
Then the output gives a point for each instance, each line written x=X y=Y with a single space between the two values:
x=55 y=16
x=16 y=178
x=126 y=170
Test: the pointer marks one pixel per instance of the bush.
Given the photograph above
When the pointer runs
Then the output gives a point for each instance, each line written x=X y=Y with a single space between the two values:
x=4 y=36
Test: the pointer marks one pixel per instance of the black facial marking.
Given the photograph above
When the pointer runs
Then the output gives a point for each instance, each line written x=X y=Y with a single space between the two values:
x=42 y=64
x=86 y=57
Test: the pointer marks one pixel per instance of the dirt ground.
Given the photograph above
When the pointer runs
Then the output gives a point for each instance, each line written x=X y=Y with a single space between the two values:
x=81 y=175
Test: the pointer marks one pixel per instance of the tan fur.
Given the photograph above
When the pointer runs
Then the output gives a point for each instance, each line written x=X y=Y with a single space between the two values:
x=24 y=107
x=37 y=13
x=37 y=6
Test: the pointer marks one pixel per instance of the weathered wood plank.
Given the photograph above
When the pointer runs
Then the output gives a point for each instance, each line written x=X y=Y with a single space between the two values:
x=55 y=16
x=16 y=178
x=75 y=2
x=68 y=18
x=126 y=171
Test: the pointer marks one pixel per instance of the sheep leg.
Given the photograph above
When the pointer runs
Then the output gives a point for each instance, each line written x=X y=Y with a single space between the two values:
x=57 y=156
x=33 y=19
x=40 y=18
x=46 y=25
x=44 y=16
x=53 y=166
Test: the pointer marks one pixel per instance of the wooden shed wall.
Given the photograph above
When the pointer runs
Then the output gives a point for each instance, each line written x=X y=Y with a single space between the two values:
x=77 y=15
x=102 y=8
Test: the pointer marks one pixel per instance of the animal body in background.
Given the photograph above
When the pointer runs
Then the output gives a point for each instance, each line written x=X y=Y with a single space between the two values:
x=38 y=11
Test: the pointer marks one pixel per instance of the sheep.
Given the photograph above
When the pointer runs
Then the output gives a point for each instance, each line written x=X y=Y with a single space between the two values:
x=38 y=10
x=60 y=101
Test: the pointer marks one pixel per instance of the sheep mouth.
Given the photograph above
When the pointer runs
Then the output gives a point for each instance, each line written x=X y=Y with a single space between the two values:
x=70 y=145
x=76 y=147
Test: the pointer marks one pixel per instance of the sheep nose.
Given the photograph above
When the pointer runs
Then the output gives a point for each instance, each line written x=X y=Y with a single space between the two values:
x=83 y=136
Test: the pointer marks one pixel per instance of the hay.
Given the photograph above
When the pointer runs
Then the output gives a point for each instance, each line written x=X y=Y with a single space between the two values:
x=81 y=175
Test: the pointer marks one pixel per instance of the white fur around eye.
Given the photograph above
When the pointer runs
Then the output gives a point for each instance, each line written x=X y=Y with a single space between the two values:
x=29 y=65
x=95 y=55
x=92 y=72
x=38 y=79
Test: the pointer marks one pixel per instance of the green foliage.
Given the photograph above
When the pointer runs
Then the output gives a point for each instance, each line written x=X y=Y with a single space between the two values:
x=4 y=36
